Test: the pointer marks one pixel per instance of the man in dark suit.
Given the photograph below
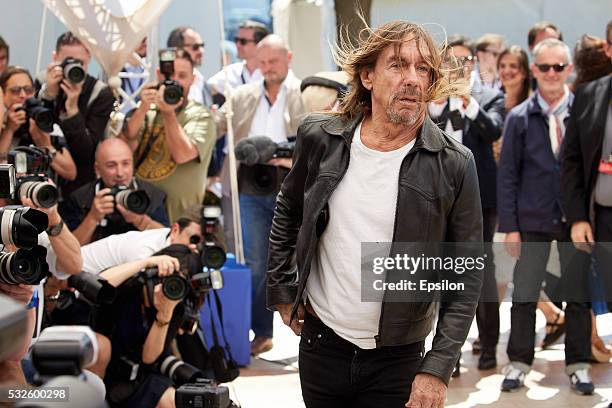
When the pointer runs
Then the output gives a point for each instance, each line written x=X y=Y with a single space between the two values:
x=477 y=122
x=587 y=170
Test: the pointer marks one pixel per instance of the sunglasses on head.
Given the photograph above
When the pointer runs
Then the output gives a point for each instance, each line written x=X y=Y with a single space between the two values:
x=243 y=41
x=16 y=90
x=194 y=47
x=547 y=67
x=195 y=239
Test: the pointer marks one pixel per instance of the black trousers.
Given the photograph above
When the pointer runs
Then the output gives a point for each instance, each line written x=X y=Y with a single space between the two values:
x=335 y=373
x=529 y=273
x=603 y=237
x=487 y=313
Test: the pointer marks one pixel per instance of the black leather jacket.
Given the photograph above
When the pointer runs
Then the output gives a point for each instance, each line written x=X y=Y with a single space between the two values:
x=438 y=200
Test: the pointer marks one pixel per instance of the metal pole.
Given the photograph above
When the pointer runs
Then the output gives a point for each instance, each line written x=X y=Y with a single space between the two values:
x=43 y=25
x=229 y=113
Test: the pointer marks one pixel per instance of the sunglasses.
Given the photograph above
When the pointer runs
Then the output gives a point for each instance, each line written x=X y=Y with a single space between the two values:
x=16 y=90
x=195 y=239
x=547 y=67
x=243 y=41
x=195 y=46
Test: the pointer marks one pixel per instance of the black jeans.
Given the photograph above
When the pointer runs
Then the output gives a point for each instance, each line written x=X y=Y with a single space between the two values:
x=335 y=373
x=603 y=236
x=487 y=313
x=529 y=273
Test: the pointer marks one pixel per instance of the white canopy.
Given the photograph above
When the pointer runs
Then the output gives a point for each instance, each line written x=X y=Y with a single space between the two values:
x=111 y=29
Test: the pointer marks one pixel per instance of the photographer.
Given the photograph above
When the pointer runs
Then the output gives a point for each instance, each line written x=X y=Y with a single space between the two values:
x=18 y=86
x=82 y=107
x=172 y=142
x=93 y=213
x=141 y=330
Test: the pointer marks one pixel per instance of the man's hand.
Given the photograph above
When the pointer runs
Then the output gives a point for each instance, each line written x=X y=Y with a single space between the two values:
x=72 y=91
x=166 y=265
x=103 y=204
x=16 y=117
x=281 y=162
x=131 y=217
x=52 y=213
x=40 y=138
x=162 y=105
x=21 y=293
x=55 y=75
x=148 y=95
x=582 y=236
x=428 y=391
x=513 y=244
x=163 y=305
x=285 y=311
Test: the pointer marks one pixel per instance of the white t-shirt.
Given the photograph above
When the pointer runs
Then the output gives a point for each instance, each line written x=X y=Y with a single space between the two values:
x=361 y=209
x=237 y=74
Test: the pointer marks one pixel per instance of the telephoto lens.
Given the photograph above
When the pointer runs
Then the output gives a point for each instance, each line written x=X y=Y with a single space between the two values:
x=20 y=226
x=27 y=266
x=42 y=193
x=94 y=288
x=179 y=371
x=213 y=256
x=73 y=70
x=136 y=201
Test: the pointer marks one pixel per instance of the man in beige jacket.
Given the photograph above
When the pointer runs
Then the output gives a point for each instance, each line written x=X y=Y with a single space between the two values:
x=271 y=107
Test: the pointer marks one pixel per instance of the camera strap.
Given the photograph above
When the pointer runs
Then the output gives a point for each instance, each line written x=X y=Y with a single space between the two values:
x=220 y=315
x=149 y=145
x=223 y=364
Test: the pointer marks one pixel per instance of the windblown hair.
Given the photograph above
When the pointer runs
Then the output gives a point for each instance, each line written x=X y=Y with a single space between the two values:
x=356 y=58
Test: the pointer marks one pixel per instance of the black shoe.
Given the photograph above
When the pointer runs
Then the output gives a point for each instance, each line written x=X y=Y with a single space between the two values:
x=487 y=360
x=581 y=382
x=457 y=371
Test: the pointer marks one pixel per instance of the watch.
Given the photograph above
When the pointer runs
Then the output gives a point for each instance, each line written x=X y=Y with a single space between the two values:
x=54 y=230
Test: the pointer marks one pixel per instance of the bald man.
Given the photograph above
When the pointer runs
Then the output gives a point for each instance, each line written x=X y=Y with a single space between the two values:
x=271 y=107
x=91 y=212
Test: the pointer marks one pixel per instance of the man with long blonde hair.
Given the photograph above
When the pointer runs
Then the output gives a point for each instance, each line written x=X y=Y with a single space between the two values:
x=379 y=170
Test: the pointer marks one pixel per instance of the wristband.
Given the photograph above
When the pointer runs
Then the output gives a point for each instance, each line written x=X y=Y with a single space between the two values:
x=160 y=323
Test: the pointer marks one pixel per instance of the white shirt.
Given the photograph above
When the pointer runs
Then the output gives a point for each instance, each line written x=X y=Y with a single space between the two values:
x=269 y=119
x=121 y=248
x=361 y=209
x=237 y=74
x=197 y=88
x=435 y=111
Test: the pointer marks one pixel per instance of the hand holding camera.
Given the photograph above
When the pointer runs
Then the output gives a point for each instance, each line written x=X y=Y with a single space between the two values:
x=163 y=102
x=67 y=77
x=39 y=137
x=166 y=265
x=21 y=293
x=52 y=213
x=103 y=204
x=72 y=92
x=163 y=305
x=16 y=117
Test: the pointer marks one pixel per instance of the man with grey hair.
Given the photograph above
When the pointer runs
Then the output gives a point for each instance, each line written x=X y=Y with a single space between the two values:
x=270 y=107
x=531 y=212
x=371 y=173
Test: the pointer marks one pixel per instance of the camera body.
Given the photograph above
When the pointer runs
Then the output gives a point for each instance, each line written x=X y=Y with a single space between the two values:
x=136 y=201
x=202 y=393
x=73 y=70
x=36 y=187
x=213 y=256
x=32 y=163
x=43 y=116
x=174 y=287
x=173 y=91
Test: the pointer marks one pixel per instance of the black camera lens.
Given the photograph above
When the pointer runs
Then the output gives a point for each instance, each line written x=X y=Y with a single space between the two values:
x=20 y=226
x=73 y=70
x=42 y=116
x=136 y=201
x=213 y=257
x=42 y=193
x=172 y=93
x=27 y=266
x=175 y=287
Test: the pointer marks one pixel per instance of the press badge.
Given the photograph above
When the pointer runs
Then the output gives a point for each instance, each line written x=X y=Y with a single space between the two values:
x=605 y=167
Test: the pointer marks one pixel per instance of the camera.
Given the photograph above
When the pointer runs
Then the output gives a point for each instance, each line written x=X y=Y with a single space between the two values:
x=213 y=256
x=284 y=150
x=94 y=288
x=43 y=116
x=20 y=226
x=27 y=266
x=33 y=162
x=136 y=201
x=73 y=70
x=202 y=393
x=173 y=91
x=174 y=286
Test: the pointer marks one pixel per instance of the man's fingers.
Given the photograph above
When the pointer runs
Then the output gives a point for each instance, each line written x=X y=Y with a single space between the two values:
x=296 y=327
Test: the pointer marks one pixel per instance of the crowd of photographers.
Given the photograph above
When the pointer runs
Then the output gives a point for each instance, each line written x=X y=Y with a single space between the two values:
x=112 y=243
